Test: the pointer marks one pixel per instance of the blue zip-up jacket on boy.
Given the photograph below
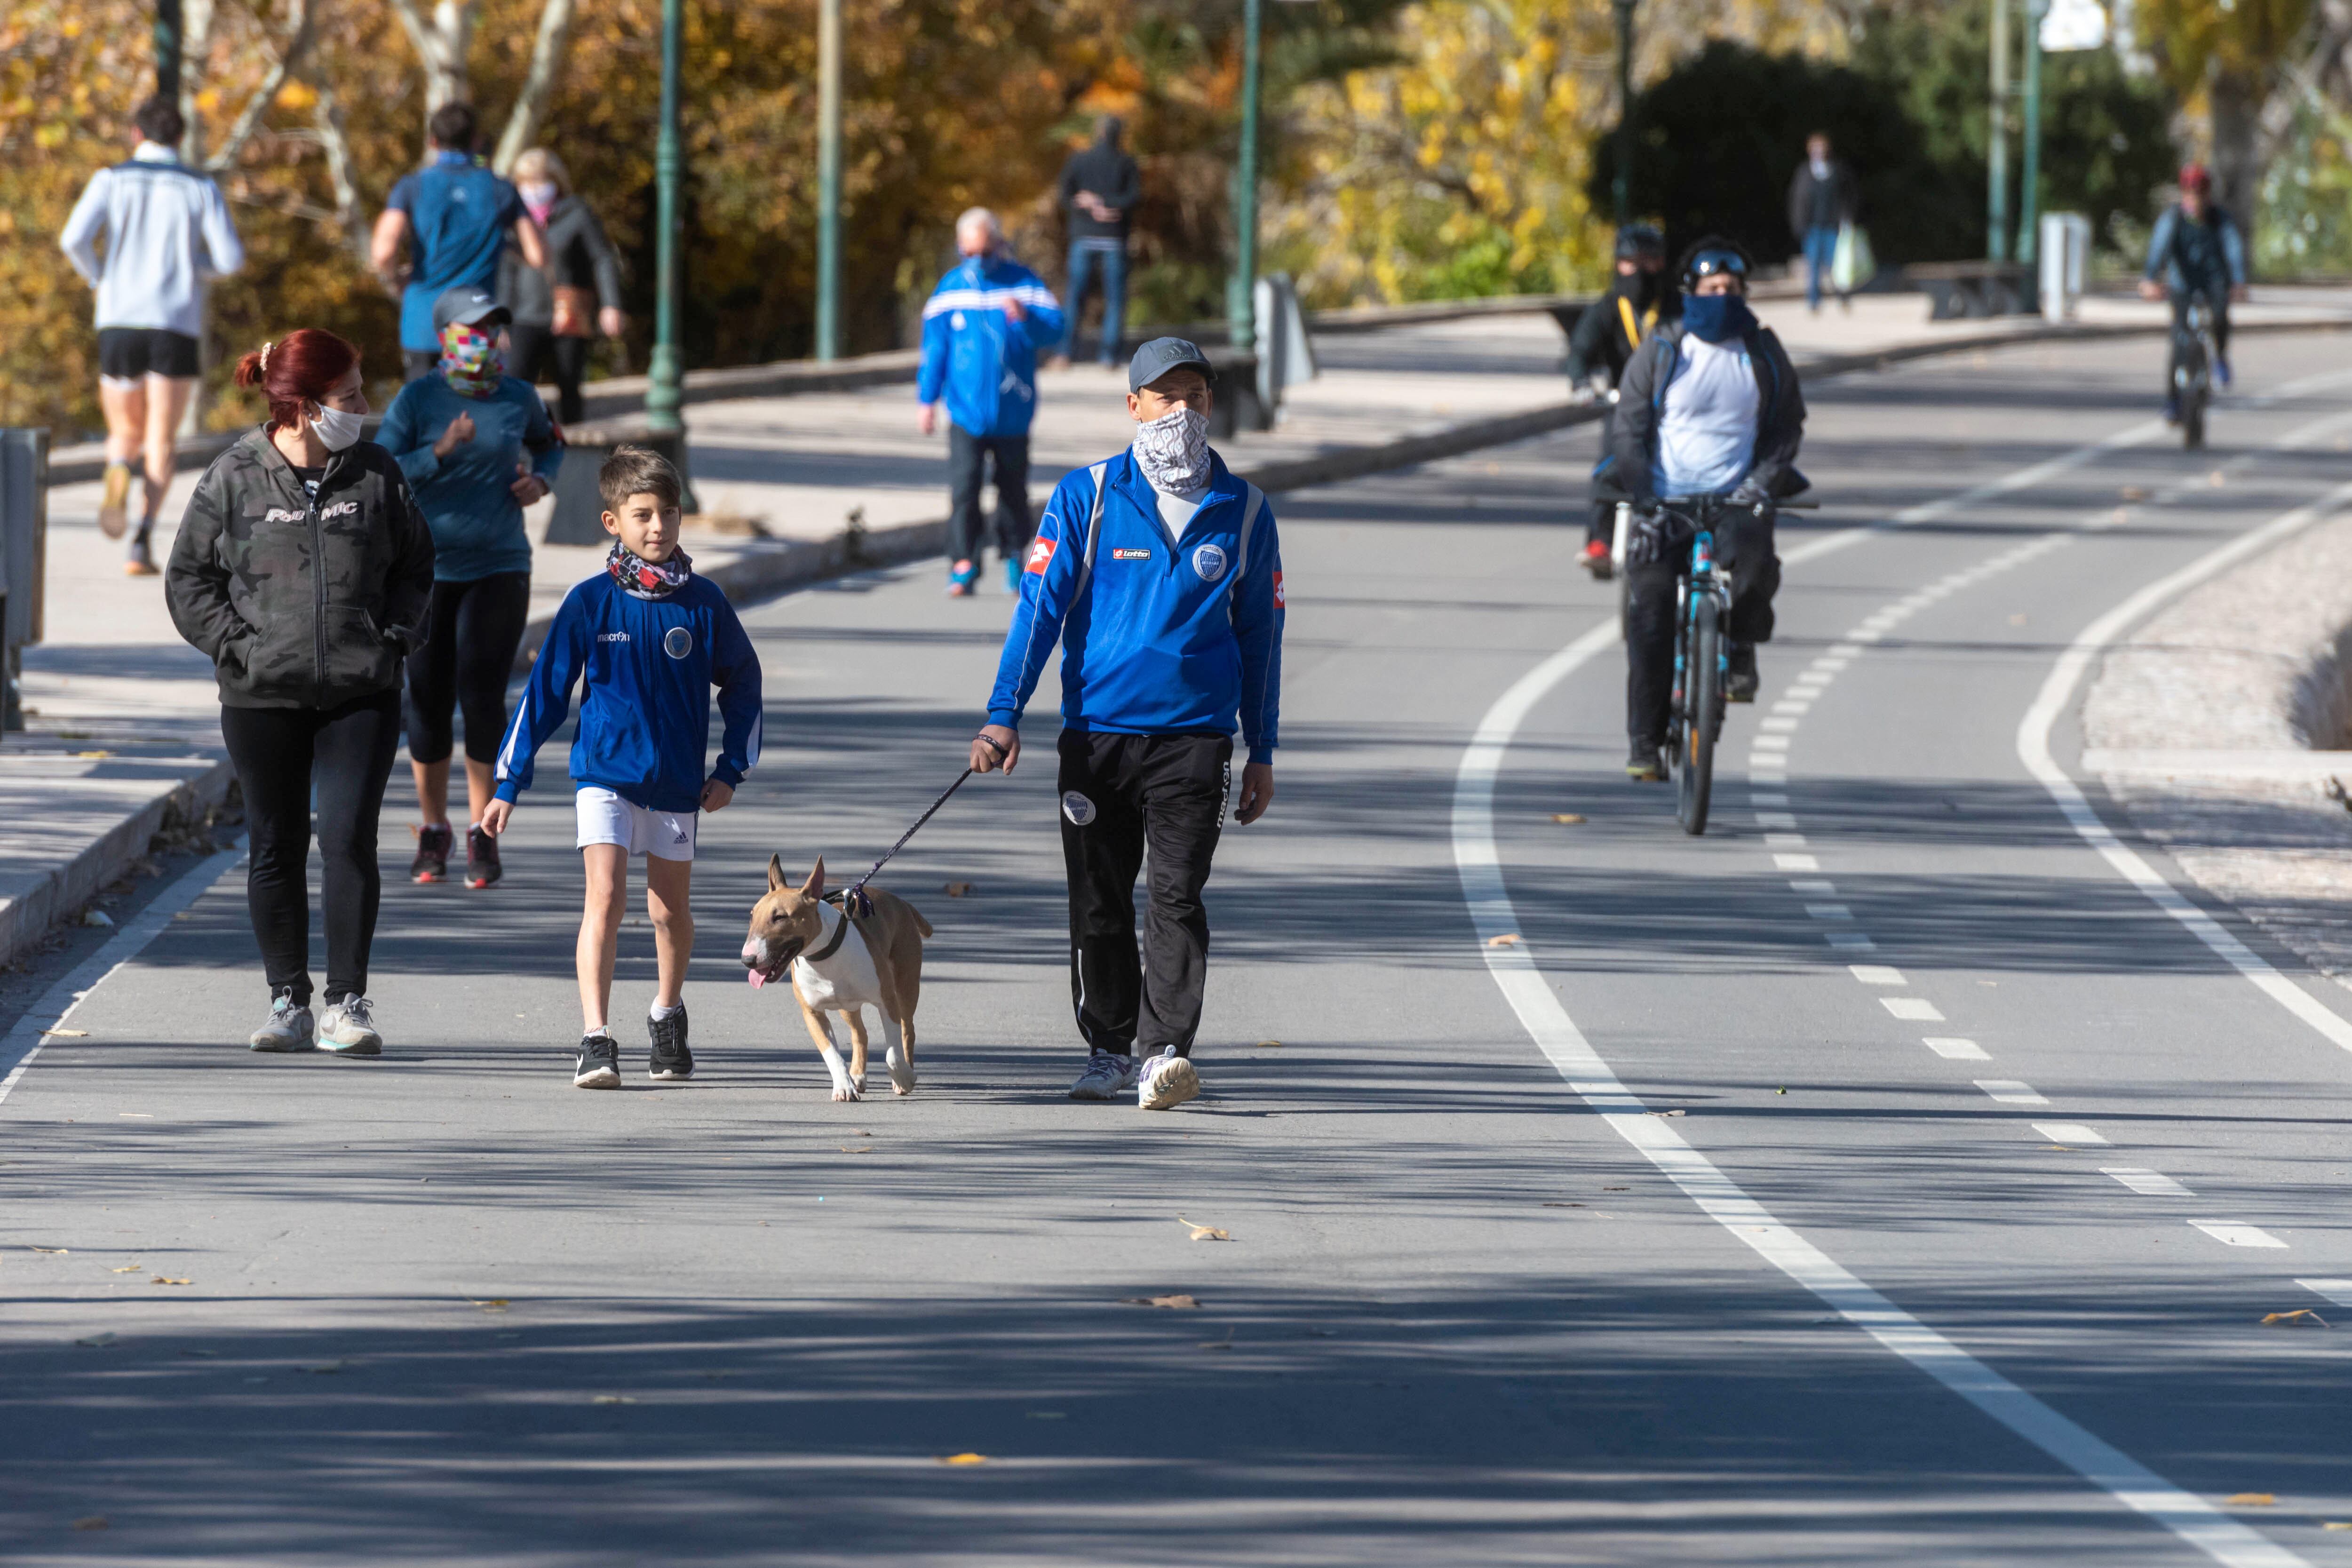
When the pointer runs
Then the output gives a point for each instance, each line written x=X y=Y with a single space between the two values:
x=644 y=711
x=1158 y=635
x=986 y=361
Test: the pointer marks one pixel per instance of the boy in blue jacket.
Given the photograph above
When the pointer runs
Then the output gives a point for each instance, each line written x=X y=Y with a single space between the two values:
x=982 y=327
x=1160 y=576
x=651 y=639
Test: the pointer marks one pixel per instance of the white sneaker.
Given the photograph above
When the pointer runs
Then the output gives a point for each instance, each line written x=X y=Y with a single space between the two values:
x=1108 y=1075
x=348 y=1028
x=290 y=1028
x=1167 y=1080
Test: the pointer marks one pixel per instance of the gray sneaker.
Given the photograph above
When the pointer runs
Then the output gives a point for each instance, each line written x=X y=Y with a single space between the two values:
x=348 y=1028
x=1108 y=1075
x=1167 y=1080
x=290 y=1028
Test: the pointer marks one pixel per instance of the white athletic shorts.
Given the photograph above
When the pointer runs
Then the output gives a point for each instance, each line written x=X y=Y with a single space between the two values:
x=607 y=819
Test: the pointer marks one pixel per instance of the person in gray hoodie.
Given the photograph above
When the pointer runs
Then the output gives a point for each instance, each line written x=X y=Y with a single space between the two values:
x=303 y=571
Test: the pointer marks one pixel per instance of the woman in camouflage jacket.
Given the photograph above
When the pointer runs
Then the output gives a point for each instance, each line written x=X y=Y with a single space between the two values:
x=302 y=570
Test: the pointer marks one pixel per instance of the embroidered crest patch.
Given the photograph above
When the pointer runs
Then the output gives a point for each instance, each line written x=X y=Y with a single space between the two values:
x=678 y=642
x=1077 y=808
x=1209 y=561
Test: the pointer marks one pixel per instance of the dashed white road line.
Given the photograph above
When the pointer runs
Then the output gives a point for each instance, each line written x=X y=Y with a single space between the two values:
x=1952 y=1048
x=2148 y=1183
x=2233 y=1233
x=2336 y=1290
x=2068 y=1133
x=1913 y=1009
x=2010 y=1091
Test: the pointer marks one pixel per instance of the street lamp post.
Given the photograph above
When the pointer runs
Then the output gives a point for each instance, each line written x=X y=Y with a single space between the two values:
x=1997 y=148
x=1625 y=182
x=167 y=48
x=828 y=180
x=663 y=393
x=2029 y=177
x=1241 y=307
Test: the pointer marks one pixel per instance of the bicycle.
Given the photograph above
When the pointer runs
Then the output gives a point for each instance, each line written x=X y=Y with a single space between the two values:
x=2193 y=353
x=1702 y=656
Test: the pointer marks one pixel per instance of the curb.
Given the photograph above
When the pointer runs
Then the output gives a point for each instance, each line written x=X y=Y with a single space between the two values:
x=28 y=916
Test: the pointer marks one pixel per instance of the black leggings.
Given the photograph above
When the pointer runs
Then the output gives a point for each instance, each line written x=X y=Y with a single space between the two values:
x=281 y=755
x=528 y=343
x=470 y=642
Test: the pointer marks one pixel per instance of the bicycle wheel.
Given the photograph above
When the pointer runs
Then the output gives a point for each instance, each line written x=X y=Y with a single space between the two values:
x=2192 y=422
x=1703 y=709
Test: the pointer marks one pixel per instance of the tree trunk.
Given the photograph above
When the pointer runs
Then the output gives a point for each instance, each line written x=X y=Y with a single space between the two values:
x=442 y=42
x=2236 y=104
x=547 y=57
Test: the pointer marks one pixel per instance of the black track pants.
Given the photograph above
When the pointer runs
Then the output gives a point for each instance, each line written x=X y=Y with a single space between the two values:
x=1745 y=547
x=967 y=454
x=532 y=347
x=470 y=642
x=281 y=754
x=1122 y=795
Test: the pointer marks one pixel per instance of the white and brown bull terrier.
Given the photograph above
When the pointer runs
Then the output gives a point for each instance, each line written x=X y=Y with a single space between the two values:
x=842 y=965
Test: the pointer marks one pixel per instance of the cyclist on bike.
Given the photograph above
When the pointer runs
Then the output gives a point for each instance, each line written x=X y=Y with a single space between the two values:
x=1709 y=407
x=1606 y=335
x=2196 y=252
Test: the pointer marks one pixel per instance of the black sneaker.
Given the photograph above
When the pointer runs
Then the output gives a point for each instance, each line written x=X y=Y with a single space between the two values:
x=1741 y=679
x=482 y=866
x=433 y=844
x=1646 y=765
x=600 y=1063
x=671 y=1060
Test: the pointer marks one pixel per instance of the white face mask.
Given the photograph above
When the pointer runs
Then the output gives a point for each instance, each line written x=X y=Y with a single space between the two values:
x=337 y=428
x=541 y=192
x=1173 y=450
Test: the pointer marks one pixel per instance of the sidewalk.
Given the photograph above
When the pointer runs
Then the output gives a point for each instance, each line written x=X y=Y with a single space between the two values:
x=778 y=478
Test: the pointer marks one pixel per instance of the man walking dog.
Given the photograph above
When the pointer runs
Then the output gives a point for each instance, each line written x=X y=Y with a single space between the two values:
x=1161 y=575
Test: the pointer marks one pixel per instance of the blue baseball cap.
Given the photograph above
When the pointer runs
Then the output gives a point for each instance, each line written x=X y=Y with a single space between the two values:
x=1161 y=355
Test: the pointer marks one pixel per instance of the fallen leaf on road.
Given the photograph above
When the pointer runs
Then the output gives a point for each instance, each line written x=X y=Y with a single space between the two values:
x=614 y=1399
x=2017 y=620
x=166 y=1280
x=54 y=1251
x=862 y=1149
x=2335 y=1524
x=1204 y=1232
x=2252 y=1500
x=1269 y=1045
x=93 y=1522
x=2217 y=479
x=1567 y=818
x=140 y=1115
x=1616 y=1189
x=67 y=1033
x=1662 y=1113
x=92 y=756
x=2134 y=492
x=1223 y=1344
x=1563 y=1205
x=1180 y=1302
x=963 y=1458
x=98 y=918
x=495 y=1304
x=96 y=1340
x=2301 y=1318
x=1509 y=939
x=1780 y=1091
x=130 y=1269
x=958 y=889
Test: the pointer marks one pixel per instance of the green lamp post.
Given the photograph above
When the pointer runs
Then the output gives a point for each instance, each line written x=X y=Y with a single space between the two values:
x=1240 y=305
x=828 y=180
x=1624 y=184
x=664 y=391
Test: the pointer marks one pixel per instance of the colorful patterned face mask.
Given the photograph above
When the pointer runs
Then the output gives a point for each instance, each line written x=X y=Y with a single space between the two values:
x=471 y=361
x=643 y=579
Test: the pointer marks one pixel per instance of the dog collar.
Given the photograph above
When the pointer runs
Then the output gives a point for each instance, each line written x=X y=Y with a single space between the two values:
x=840 y=930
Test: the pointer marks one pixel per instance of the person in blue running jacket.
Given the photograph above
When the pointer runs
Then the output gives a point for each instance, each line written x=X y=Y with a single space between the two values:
x=1158 y=574
x=982 y=327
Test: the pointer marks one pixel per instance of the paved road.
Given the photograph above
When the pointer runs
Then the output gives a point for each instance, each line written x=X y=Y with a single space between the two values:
x=443 y=1308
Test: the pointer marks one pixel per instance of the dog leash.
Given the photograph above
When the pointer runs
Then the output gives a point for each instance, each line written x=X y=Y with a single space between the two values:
x=852 y=899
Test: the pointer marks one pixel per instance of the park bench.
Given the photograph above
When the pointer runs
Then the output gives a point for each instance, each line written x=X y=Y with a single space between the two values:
x=1972 y=289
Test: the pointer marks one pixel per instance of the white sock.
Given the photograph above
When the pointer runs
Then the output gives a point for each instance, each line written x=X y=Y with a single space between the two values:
x=657 y=1012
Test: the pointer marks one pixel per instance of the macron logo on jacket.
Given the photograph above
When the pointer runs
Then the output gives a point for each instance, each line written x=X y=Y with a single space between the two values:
x=980 y=359
x=1156 y=639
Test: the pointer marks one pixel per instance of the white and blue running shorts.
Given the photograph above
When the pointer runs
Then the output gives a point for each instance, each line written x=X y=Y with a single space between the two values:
x=607 y=819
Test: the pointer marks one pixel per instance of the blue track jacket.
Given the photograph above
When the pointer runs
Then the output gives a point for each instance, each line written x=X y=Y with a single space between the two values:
x=645 y=713
x=1158 y=636
x=986 y=361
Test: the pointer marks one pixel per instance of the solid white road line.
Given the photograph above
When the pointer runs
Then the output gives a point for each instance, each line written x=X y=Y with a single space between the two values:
x=56 y=1007
x=1477 y=861
x=2057 y=695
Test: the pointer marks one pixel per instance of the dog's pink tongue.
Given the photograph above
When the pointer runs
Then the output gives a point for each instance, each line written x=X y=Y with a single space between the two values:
x=756 y=978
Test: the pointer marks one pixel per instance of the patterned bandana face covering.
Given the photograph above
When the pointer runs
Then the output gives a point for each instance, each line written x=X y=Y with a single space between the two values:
x=1173 y=450
x=643 y=579
x=471 y=361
